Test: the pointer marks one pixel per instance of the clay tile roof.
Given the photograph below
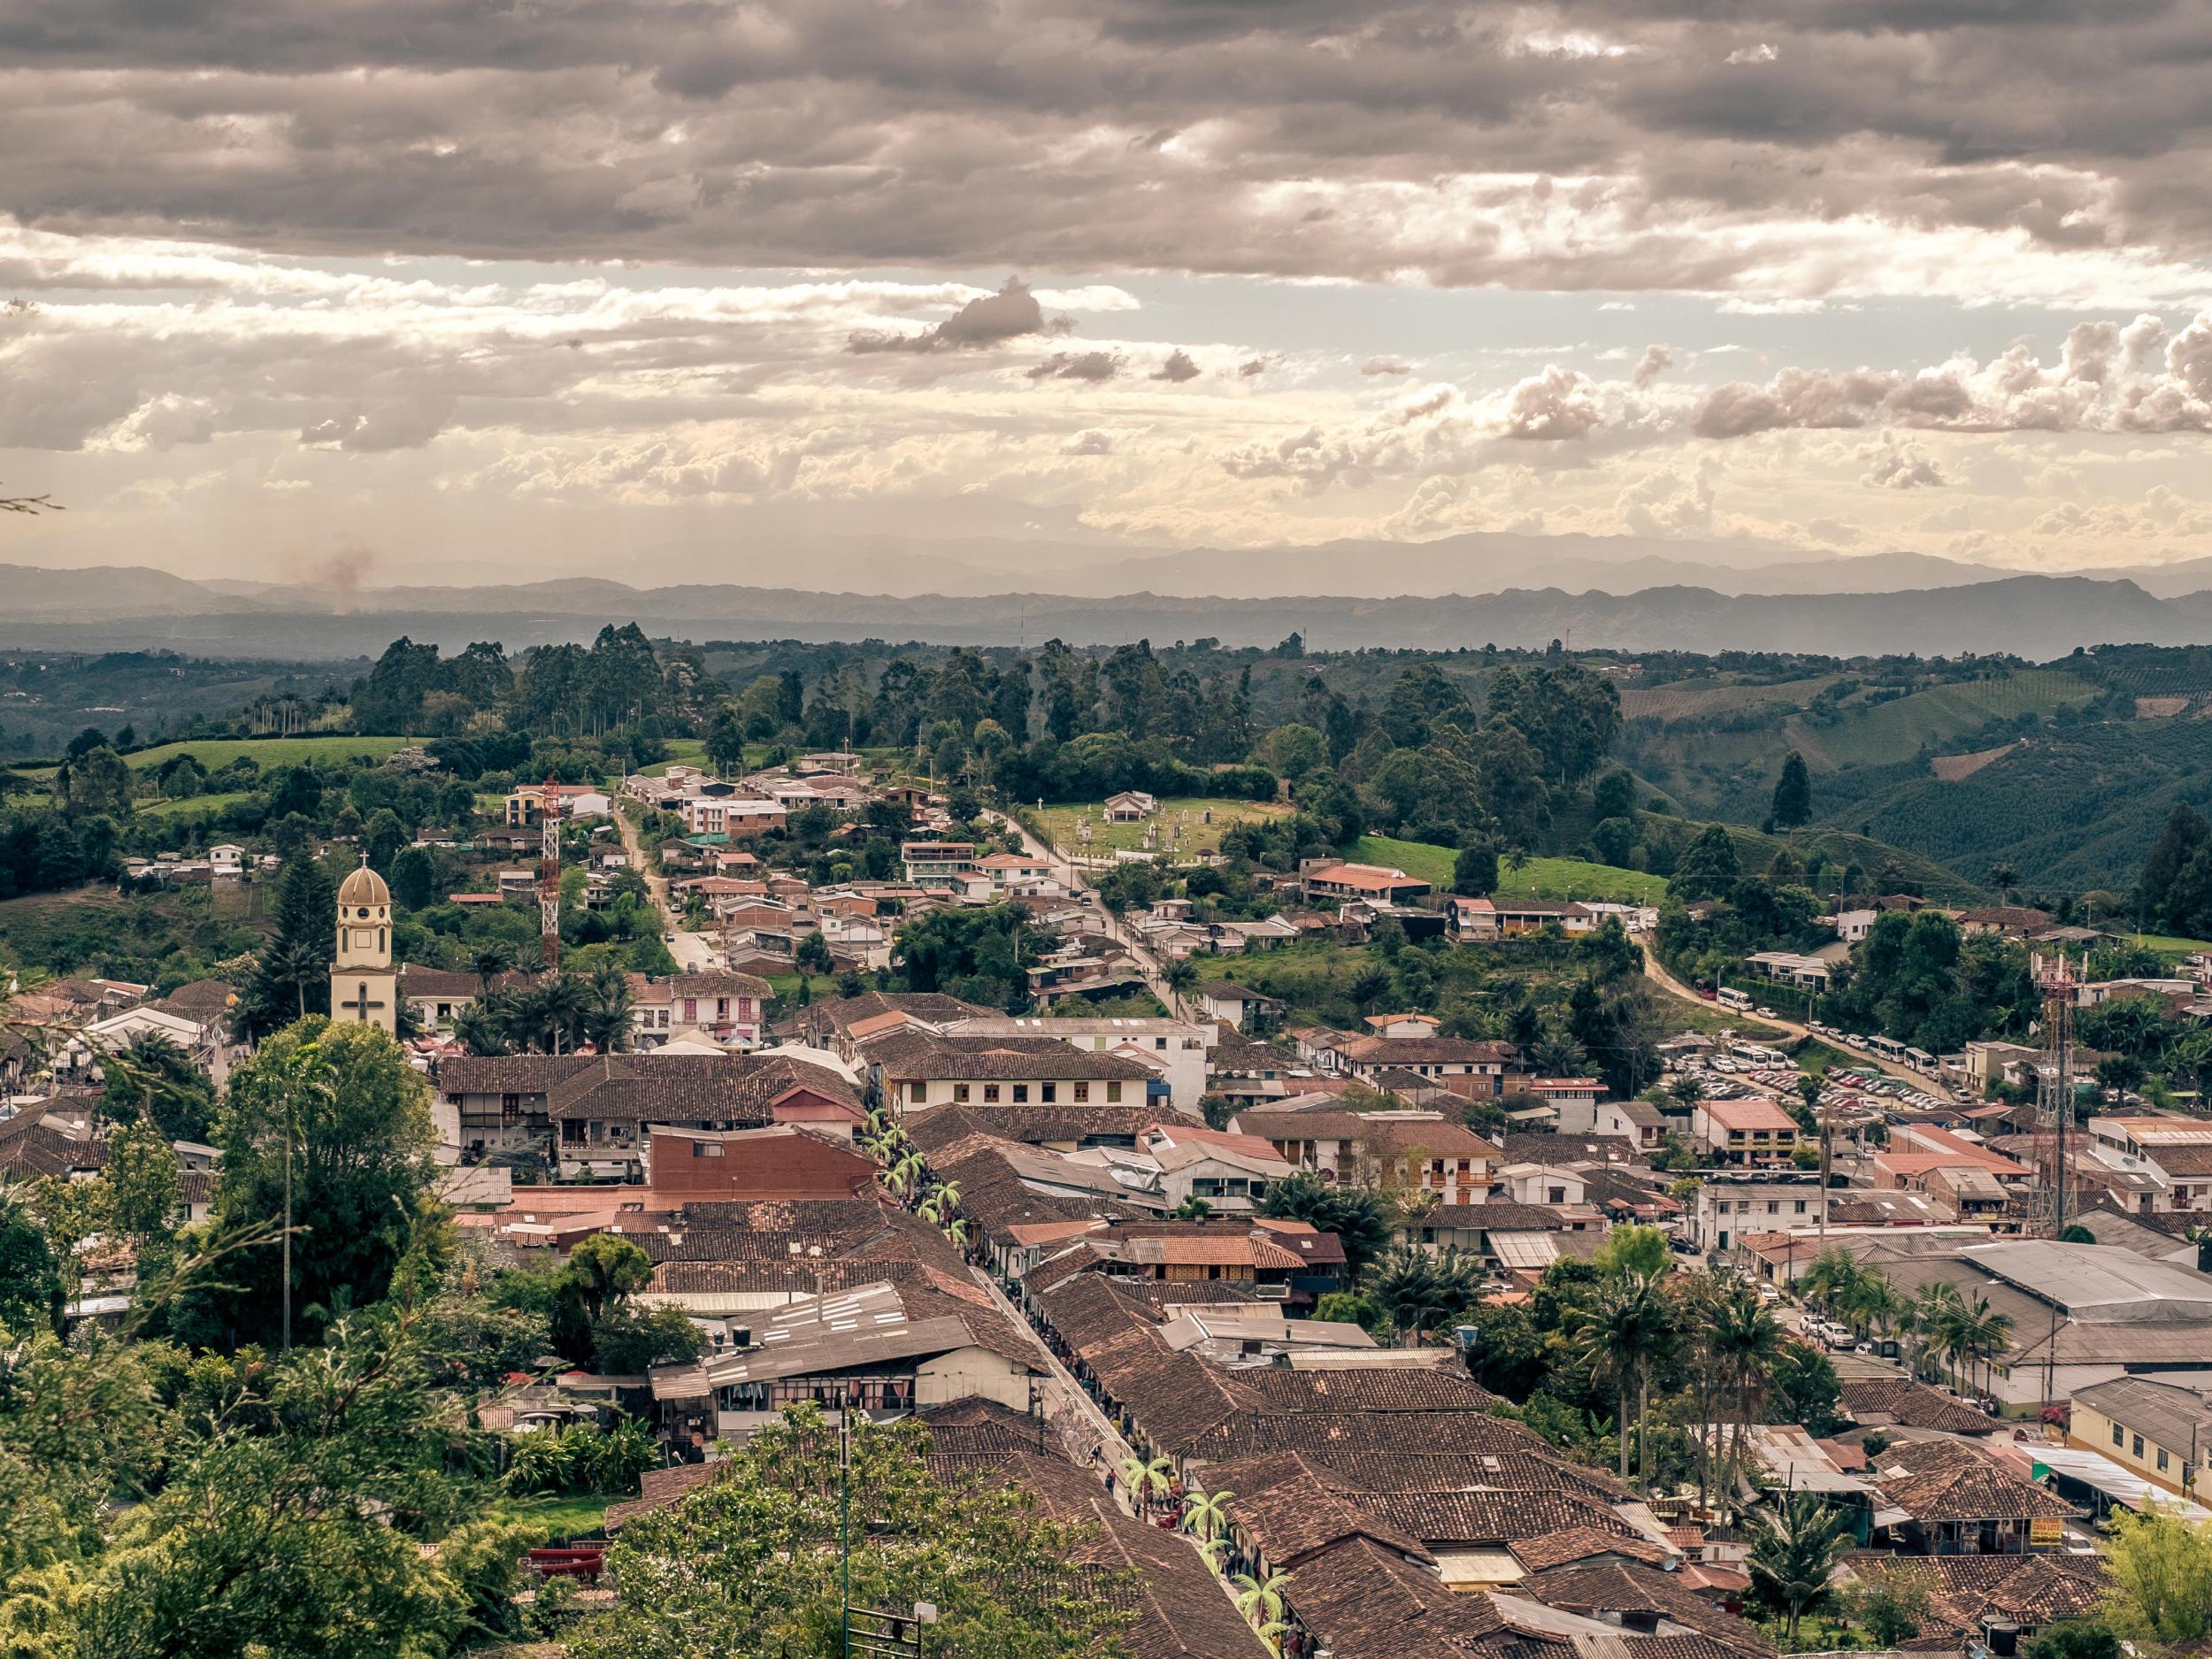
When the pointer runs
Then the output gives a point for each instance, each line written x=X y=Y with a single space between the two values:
x=1625 y=1588
x=1947 y=1481
x=1914 y=1405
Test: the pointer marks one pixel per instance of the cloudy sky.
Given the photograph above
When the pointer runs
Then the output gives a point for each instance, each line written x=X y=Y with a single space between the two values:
x=458 y=289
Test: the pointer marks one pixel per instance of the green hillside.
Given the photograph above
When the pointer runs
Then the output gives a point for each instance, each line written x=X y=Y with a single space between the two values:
x=213 y=752
x=1538 y=878
x=1880 y=734
x=2068 y=812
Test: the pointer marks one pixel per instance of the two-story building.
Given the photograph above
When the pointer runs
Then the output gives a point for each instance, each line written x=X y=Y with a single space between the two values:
x=1752 y=1130
x=1411 y=1151
x=937 y=864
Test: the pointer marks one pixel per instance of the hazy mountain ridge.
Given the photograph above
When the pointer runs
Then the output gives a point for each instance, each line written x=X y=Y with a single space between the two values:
x=2033 y=616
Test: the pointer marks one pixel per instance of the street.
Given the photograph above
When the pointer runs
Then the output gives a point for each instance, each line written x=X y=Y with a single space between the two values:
x=694 y=952
x=1149 y=965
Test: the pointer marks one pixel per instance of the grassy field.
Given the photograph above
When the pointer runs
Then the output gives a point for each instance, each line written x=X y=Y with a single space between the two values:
x=2166 y=945
x=1060 y=823
x=213 y=752
x=1538 y=878
x=194 y=804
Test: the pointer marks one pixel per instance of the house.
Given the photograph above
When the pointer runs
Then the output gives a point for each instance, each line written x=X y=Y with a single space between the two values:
x=884 y=1348
x=1229 y=1172
x=931 y=1072
x=1402 y=1150
x=526 y=802
x=1131 y=806
x=1323 y=879
x=591 y=1110
x=1471 y=1069
x=1176 y=1049
x=1514 y=918
x=1958 y=1500
x=1729 y=1205
x=1404 y=1025
x=1789 y=967
x=2014 y=921
x=1747 y=1131
x=1237 y=1006
x=226 y=858
x=728 y=1007
x=1003 y=871
x=782 y=1161
x=937 y=864
x=739 y=818
x=1582 y=1112
x=2159 y=1431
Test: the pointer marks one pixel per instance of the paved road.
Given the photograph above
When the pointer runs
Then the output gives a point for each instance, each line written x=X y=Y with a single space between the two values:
x=1077 y=881
x=1672 y=986
x=692 y=951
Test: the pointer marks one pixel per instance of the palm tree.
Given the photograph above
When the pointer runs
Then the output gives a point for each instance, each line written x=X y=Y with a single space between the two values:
x=957 y=1234
x=1206 y=1514
x=1986 y=1331
x=1927 y=1320
x=1146 y=1480
x=480 y=1030
x=1419 y=1290
x=902 y=1175
x=559 y=1007
x=1618 y=1336
x=487 y=962
x=942 y=1204
x=1831 y=1281
x=1742 y=1341
x=1261 y=1603
x=1797 y=1548
x=608 y=1005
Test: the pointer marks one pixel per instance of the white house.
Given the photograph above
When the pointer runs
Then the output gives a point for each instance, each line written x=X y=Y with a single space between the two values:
x=1131 y=806
x=1176 y=1049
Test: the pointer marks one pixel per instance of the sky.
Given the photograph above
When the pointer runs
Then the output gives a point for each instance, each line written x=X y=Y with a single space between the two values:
x=462 y=290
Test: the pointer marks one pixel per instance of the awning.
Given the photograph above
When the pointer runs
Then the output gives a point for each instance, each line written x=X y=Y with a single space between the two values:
x=2093 y=1469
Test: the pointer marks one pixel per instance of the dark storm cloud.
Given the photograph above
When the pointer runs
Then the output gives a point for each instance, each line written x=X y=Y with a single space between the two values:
x=1301 y=139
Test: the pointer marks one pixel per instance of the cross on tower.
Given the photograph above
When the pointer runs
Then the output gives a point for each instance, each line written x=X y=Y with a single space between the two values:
x=361 y=1004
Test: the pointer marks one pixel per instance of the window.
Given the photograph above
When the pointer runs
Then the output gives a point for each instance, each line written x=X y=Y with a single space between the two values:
x=990 y=1093
x=1113 y=1093
x=960 y=1094
x=2138 y=1446
x=921 y=1091
x=2162 y=1457
x=1021 y=1093
x=1082 y=1092
x=1159 y=1042
x=1048 y=1093
x=706 y=1148
x=2119 y=1439
x=1801 y=1203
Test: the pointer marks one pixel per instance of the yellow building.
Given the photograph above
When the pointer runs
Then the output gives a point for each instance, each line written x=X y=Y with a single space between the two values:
x=363 y=990
x=2160 y=1431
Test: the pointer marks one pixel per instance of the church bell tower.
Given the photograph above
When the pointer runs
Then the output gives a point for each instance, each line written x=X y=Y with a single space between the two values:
x=363 y=990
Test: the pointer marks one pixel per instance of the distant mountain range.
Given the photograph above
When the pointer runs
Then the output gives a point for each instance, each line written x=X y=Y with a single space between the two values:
x=1883 y=603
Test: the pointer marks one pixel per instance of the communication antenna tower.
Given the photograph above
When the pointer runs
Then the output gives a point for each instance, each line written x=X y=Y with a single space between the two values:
x=2054 y=1095
x=550 y=877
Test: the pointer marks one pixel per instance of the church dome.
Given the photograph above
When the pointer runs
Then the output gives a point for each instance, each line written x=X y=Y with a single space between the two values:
x=363 y=887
